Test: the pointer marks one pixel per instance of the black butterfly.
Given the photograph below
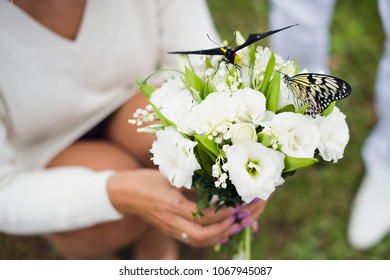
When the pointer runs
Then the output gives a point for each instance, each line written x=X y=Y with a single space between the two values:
x=318 y=91
x=230 y=56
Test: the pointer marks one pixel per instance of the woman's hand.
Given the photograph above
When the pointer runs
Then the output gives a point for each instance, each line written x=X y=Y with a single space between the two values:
x=248 y=214
x=149 y=195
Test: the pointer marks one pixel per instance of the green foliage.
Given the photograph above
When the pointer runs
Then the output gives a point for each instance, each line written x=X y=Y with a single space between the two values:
x=227 y=196
x=272 y=92
x=193 y=82
x=293 y=164
x=268 y=73
x=145 y=88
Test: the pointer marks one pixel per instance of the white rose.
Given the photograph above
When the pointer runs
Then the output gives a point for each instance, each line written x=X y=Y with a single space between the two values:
x=242 y=132
x=254 y=169
x=175 y=157
x=334 y=135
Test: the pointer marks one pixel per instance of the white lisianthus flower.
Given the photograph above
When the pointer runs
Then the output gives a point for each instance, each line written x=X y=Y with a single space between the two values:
x=242 y=132
x=250 y=105
x=296 y=133
x=334 y=135
x=175 y=103
x=254 y=170
x=175 y=157
x=212 y=112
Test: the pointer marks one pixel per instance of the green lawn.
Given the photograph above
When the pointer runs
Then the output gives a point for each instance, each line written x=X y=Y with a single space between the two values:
x=307 y=217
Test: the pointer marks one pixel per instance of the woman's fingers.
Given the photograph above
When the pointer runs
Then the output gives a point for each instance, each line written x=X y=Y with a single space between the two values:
x=198 y=235
x=248 y=214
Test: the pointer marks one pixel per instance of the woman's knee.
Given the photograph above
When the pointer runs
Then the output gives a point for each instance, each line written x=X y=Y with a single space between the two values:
x=95 y=154
x=99 y=241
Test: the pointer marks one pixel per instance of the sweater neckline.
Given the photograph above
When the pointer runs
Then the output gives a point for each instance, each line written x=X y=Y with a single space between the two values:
x=25 y=28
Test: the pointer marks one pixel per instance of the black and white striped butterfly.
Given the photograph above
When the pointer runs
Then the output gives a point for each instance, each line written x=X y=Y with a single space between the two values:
x=318 y=91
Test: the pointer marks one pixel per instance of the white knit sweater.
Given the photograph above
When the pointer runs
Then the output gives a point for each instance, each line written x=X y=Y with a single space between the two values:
x=53 y=90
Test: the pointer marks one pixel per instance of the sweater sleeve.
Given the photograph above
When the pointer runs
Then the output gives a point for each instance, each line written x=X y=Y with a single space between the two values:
x=184 y=26
x=50 y=200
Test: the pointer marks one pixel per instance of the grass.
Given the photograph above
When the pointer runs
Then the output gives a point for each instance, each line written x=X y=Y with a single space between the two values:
x=307 y=217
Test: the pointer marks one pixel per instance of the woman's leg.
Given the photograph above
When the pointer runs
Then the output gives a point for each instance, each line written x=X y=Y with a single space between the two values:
x=103 y=240
x=153 y=244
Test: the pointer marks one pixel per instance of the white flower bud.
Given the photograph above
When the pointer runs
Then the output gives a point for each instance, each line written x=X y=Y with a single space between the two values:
x=243 y=132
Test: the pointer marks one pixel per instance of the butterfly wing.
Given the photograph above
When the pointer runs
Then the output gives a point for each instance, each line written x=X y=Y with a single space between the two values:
x=216 y=51
x=253 y=38
x=317 y=90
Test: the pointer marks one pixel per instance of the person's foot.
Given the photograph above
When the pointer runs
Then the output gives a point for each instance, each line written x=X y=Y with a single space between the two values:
x=370 y=216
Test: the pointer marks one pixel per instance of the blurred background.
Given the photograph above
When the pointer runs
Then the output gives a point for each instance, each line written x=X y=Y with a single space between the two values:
x=307 y=217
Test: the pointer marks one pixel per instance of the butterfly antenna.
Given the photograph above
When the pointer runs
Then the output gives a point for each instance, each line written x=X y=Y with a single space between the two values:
x=279 y=72
x=234 y=38
x=208 y=36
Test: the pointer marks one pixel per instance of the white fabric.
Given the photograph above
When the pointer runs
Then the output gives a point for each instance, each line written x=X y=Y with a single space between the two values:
x=53 y=90
x=370 y=216
x=308 y=42
x=376 y=151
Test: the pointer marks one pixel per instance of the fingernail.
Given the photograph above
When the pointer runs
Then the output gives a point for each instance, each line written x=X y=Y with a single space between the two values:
x=235 y=230
x=223 y=240
x=247 y=223
x=238 y=209
x=243 y=214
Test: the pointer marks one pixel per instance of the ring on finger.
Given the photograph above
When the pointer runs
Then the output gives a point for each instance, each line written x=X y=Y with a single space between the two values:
x=185 y=237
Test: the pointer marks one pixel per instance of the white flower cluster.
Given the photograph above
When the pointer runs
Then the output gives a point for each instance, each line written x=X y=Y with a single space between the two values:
x=233 y=130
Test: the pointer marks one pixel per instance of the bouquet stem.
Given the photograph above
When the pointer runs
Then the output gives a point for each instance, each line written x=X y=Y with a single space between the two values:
x=244 y=246
x=248 y=241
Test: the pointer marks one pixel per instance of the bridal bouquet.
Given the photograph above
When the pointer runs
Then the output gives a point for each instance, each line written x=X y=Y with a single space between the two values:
x=234 y=134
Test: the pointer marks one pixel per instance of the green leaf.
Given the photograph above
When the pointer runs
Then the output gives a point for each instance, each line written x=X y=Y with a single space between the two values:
x=302 y=109
x=161 y=116
x=292 y=163
x=296 y=67
x=288 y=108
x=209 y=88
x=208 y=63
x=272 y=93
x=210 y=145
x=153 y=128
x=264 y=139
x=268 y=72
x=252 y=55
x=205 y=158
x=252 y=59
x=330 y=108
x=145 y=88
x=193 y=82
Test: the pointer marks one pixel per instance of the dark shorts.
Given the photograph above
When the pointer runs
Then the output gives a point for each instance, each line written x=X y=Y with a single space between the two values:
x=99 y=131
